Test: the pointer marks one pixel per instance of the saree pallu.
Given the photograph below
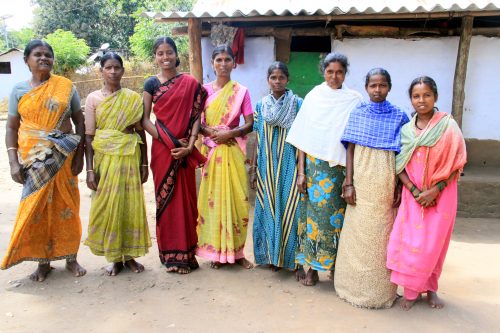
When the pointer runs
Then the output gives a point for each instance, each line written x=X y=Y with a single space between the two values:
x=277 y=197
x=420 y=237
x=223 y=196
x=361 y=277
x=177 y=105
x=321 y=215
x=48 y=223
x=118 y=228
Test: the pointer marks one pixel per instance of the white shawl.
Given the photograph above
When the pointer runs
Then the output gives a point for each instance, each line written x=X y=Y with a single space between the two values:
x=319 y=125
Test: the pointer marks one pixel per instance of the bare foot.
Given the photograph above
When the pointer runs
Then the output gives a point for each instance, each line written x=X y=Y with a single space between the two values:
x=300 y=273
x=311 y=278
x=243 y=262
x=434 y=301
x=172 y=269
x=114 y=269
x=134 y=266
x=407 y=304
x=184 y=270
x=275 y=268
x=41 y=272
x=216 y=264
x=75 y=268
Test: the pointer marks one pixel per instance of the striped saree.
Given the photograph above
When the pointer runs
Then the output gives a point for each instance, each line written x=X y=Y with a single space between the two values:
x=277 y=200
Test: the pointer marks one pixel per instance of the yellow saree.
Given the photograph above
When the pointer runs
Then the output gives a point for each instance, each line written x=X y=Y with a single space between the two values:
x=223 y=195
x=118 y=227
x=48 y=223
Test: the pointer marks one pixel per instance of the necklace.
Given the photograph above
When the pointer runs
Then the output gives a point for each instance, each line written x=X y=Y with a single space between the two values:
x=32 y=84
x=416 y=121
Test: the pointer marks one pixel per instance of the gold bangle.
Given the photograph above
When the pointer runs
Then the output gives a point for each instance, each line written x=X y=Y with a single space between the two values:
x=11 y=148
x=90 y=170
x=301 y=174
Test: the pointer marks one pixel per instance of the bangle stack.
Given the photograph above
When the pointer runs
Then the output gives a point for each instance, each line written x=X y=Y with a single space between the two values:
x=412 y=191
x=441 y=185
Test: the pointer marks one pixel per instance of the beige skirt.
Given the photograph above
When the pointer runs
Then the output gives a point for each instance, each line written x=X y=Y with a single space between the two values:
x=361 y=277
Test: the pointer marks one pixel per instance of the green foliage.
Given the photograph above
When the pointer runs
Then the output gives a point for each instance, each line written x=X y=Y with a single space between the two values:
x=19 y=38
x=70 y=52
x=96 y=21
x=147 y=30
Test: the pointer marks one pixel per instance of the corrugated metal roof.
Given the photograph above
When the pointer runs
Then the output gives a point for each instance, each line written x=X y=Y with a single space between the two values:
x=254 y=8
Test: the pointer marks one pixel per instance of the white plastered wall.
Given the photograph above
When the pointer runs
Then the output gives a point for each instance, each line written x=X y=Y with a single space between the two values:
x=406 y=59
x=259 y=54
x=19 y=73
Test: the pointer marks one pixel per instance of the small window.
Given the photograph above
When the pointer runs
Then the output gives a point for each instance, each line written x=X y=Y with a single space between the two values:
x=5 y=68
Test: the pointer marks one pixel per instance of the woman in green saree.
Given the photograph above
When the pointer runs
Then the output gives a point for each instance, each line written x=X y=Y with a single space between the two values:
x=117 y=165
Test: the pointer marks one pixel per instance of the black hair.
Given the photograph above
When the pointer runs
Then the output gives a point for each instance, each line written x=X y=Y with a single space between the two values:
x=378 y=71
x=334 y=57
x=169 y=41
x=110 y=55
x=33 y=44
x=222 y=49
x=428 y=81
x=278 y=65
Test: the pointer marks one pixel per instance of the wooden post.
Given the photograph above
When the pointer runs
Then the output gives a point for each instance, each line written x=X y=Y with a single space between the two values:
x=195 y=63
x=461 y=69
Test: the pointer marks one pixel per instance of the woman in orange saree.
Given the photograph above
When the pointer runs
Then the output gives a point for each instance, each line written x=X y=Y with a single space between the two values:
x=429 y=164
x=45 y=157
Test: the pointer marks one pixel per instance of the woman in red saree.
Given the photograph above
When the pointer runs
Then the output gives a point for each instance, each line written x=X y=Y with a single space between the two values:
x=178 y=100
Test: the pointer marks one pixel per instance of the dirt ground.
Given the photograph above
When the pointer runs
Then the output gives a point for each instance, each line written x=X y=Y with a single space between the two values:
x=233 y=299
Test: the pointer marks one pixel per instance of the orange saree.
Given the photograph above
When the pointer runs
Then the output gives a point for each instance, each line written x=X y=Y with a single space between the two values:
x=47 y=224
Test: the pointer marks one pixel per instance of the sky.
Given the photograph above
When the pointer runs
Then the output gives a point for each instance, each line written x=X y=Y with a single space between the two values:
x=21 y=11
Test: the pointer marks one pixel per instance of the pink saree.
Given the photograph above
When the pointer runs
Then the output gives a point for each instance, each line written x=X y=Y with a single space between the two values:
x=420 y=236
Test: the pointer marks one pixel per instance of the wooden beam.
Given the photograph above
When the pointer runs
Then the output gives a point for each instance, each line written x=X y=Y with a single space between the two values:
x=195 y=63
x=461 y=69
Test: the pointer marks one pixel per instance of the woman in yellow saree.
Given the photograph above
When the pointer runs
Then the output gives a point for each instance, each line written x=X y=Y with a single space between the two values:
x=45 y=157
x=223 y=196
x=117 y=165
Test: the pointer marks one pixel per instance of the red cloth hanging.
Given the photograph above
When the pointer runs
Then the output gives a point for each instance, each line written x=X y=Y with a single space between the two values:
x=238 y=46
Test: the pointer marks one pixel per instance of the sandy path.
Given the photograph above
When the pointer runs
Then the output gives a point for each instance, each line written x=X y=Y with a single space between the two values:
x=233 y=299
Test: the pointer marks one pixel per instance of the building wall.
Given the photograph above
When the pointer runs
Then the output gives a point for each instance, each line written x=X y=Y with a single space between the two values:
x=406 y=59
x=482 y=90
x=259 y=54
x=19 y=70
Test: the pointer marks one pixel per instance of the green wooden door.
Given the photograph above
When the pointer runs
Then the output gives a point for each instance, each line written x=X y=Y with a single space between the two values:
x=304 y=71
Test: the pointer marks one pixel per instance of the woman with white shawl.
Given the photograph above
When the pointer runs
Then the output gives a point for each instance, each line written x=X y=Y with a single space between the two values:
x=316 y=133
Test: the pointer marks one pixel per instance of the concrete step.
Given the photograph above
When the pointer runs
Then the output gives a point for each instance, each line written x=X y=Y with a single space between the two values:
x=479 y=193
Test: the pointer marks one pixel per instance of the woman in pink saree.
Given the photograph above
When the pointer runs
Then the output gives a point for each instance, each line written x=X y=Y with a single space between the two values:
x=429 y=165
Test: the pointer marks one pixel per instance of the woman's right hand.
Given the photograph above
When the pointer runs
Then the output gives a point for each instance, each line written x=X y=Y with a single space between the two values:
x=253 y=178
x=302 y=183
x=17 y=172
x=349 y=194
x=91 y=181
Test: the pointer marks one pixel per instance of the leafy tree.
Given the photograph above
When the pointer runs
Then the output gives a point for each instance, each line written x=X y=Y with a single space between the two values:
x=19 y=38
x=147 y=30
x=96 y=21
x=70 y=52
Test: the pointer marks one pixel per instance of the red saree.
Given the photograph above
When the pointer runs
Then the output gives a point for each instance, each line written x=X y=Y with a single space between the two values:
x=177 y=105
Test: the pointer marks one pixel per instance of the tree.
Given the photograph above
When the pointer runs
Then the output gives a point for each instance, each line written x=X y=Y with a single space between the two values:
x=96 y=21
x=147 y=30
x=19 y=38
x=69 y=51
